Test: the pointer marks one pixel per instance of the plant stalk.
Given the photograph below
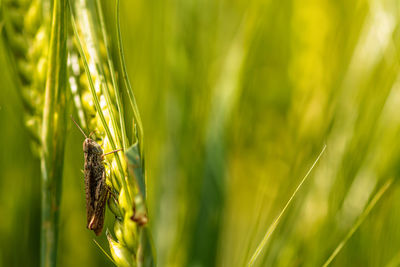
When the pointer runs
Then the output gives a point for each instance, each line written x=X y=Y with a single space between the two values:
x=53 y=133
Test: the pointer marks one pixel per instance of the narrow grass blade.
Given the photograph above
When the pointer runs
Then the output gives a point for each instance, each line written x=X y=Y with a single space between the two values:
x=128 y=88
x=273 y=226
x=105 y=253
x=359 y=221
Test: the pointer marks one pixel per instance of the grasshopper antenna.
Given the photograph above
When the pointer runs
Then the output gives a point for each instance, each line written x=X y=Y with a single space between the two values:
x=80 y=129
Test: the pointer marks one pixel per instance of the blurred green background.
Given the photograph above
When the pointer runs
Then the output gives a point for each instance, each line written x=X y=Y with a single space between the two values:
x=237 y=100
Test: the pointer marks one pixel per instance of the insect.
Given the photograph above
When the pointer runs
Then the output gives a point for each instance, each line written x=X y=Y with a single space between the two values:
x=96 y=189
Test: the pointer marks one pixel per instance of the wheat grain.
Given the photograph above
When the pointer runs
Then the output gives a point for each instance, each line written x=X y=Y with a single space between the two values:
x=102 y=110
x=37 y=51
x=26 y=34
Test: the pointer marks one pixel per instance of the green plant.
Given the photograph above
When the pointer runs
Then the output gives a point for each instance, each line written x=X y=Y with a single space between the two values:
x=117 y=124
x=238 y=98
x=41 y=71
x=27 y=35
x=37 y=45
x=54 y=132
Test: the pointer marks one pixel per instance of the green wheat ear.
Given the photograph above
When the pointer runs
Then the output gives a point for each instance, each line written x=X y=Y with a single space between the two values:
x=36 y=39
x=26 y=33
x=118 y=124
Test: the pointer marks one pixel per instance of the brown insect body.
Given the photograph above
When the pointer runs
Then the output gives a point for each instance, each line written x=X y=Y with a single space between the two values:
x=97 y=190
x=95 y=185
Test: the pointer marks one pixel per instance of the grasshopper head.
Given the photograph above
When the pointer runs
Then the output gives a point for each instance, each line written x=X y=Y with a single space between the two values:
x=90 y=146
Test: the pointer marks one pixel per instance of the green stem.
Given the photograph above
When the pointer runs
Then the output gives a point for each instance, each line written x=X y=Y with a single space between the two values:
x=128 y=87
x=53 y=133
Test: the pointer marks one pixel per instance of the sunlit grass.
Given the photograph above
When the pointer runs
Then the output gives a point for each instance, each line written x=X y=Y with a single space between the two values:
x=237 y=99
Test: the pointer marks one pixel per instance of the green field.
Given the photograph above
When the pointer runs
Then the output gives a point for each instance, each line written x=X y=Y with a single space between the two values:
x=237 y=100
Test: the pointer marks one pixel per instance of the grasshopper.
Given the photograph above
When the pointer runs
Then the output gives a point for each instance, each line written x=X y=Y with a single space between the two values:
x=97 y=191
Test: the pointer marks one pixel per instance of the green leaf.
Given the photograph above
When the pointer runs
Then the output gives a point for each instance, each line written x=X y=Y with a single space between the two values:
x=135 y=169
x=134 y=165
x=145 y=256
